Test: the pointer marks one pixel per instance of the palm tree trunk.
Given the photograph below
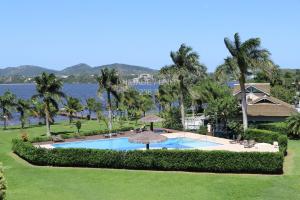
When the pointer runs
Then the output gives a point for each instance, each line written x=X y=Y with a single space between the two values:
x=47 y=119
x=4 y=119
x=109 y=111
x=244 y=102
x=181 y=103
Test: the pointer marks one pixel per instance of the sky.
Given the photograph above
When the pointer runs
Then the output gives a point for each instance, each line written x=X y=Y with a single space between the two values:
x=60 y=33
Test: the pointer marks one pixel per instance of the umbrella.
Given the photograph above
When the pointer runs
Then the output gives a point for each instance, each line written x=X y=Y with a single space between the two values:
x=147 y=137
x=151 y=119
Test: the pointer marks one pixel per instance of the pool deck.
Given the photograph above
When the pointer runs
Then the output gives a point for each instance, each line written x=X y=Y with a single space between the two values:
x=225 y=143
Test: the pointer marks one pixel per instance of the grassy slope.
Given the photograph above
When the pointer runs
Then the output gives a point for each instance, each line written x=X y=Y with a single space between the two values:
x=31 y=182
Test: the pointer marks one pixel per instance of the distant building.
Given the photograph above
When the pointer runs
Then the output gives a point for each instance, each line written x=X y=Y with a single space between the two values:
x=143 y=78
x=261 y=106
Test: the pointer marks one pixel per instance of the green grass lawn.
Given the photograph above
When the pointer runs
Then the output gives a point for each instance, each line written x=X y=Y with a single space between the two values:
x=32 y=182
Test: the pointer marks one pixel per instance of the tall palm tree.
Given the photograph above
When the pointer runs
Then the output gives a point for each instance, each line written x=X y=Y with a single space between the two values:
x=49 y=90
x=185 y=65
x=146 y=102
x=246 y=57
x=72 y=106
x=7 y=102
x=109 y=81
x=23 y=107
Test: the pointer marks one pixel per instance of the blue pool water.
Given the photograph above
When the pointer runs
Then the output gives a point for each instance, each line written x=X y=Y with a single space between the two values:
x=124 y=144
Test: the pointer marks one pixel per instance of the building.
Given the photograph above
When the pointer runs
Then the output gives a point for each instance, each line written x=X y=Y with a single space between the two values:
x=261 y=106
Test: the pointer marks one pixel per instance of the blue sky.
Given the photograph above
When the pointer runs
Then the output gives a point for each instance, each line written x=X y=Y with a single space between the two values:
x=61 y=33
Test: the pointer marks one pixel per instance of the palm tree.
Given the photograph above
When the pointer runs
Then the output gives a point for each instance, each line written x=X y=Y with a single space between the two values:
x=7 y=102
x=72 y=106
x=293 y=124
x=23 y=106
x=90 y=106
x=186 y=64
x=246 y=57
x=109 y=81
x=48 y=89
x=146 y=102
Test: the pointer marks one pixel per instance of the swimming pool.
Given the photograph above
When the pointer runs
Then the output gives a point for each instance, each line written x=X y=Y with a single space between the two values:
x=124 y=144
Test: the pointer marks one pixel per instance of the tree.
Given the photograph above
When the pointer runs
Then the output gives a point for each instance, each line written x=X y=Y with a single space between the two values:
x=146 y=102
x=23 y=107
x=48 y=89
x=72 y=106
x=293 y=124
x=7 y=102
x=246 y=57
x=166 y=95
x=90 y=106
x=109 y=81
x=185 y=66
x=284 y=94
x=78 y=126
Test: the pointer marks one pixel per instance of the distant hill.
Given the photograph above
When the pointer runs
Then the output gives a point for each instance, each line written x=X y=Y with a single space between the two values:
x=75 y=70
x=24 y=70
x=81 y=68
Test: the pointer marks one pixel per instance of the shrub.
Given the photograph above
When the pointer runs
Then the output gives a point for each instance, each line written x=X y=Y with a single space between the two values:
x=280 y=127
x=172 y=119
x=268 y=137
x=3 y=185
x=183 y=160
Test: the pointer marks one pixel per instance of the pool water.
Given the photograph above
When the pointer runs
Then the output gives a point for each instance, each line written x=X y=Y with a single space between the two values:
x=124 y=144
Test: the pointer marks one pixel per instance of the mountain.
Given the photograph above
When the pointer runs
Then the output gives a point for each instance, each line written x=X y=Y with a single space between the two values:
x=24 y=70
x=127 y=70
x=76 y=70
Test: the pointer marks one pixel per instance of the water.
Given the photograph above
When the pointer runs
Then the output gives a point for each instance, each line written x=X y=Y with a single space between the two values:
x=81 y=91
x=124 y=144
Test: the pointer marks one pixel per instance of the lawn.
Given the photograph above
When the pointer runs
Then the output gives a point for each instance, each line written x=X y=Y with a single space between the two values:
x=32 y=182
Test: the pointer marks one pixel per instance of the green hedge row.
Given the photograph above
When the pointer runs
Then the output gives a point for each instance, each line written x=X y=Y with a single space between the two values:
x=3 y=186
x=267 y=136
x=280 y=127
x=89 y=133
x=183 y=160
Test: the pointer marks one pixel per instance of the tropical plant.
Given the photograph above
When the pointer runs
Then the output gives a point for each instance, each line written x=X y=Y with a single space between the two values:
x=3 y=184
x=246 y=57
x=7 y=102
x=23 y=106
x=146 y=102
x=91 y=106
x=72 y=106
x=109 y=81
x=186 y=67
x=293 y=124
x=48 y=89
x=78 y=126
x=166 y=95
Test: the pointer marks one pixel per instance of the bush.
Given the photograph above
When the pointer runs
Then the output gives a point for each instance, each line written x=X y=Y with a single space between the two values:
x=183 y=160
x=280 y=127
x=172 y=119
x=3 y=185
x=268 y=137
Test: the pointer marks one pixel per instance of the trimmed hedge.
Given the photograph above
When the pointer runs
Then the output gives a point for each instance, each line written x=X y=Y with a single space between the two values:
x=183 y=160
x=280 y=127
x=268 y=137
x=3 y=186
x=89 y=133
